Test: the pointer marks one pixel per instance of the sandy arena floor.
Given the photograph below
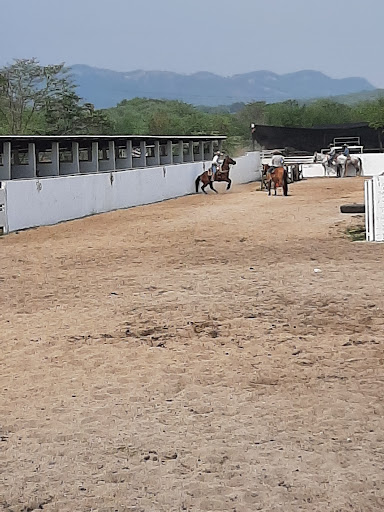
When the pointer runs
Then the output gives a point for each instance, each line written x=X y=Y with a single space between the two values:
x=185 y=356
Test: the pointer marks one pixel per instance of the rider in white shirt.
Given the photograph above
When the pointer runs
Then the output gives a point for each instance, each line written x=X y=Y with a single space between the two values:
x=277 y=161
x=215 y=163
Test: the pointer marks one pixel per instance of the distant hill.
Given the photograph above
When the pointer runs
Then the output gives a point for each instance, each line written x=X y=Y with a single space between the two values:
x=105 y=88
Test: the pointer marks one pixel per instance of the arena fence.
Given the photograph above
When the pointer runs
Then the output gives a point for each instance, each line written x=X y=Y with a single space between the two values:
x=46 y=201
x=374 y=209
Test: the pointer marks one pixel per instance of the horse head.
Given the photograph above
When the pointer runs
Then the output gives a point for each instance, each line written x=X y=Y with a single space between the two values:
x=229 y=160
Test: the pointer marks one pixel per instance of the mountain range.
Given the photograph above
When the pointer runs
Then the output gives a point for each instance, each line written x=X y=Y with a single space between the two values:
x=105 y=88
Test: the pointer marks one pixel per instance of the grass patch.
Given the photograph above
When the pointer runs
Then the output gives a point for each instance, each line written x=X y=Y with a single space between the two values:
x=356 y=233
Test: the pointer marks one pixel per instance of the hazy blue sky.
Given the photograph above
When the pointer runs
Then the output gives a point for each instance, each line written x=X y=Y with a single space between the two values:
x=338 y=37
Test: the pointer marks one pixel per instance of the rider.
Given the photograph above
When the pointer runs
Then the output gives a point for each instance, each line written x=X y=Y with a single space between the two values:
x=215 y=163
x=346 y=150
x=331 y=154
x=277 y=161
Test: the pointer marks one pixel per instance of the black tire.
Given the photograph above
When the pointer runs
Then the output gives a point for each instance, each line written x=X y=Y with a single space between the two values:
x=352 y=208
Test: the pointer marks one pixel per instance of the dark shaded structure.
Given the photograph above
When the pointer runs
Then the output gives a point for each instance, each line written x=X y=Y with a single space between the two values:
x=314 y=139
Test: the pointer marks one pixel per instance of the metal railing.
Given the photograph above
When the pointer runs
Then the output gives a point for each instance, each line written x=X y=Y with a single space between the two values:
x=353 y=141
x=266 y=155
x=352 y=149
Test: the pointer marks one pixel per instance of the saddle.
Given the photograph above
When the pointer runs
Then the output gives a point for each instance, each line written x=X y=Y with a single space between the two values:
x=210 y=172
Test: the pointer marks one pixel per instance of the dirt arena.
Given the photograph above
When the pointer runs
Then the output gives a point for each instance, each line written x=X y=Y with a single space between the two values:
x=186 y=356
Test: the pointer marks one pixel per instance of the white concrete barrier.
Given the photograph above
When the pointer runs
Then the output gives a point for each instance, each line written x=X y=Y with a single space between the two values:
x=373 y=163
x=374 y=209
x=313 y=171
x=46 y=201
x=3 y=215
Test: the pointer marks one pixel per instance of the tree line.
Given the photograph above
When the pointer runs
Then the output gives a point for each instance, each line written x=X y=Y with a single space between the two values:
x=42 y=100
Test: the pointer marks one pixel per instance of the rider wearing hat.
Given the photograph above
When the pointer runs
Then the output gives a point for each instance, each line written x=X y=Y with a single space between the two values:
x=215 y=163
x=277 y=161
x=345 y=150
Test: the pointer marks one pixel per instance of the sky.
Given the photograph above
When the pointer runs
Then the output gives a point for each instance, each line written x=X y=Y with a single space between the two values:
x=341 y=38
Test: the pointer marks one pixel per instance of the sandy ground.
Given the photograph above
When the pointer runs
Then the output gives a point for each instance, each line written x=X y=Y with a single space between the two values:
x=186 y=356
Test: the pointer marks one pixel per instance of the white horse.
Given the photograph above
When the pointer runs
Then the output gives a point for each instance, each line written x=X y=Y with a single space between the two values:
x=357 y=163
x=341 y=163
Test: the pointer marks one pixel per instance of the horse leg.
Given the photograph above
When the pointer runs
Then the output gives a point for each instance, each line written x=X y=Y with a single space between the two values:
x=285 y=184
x=275 y=185
x=229 y=183
x=269 y=185
x=203 y=187
x=211 y=186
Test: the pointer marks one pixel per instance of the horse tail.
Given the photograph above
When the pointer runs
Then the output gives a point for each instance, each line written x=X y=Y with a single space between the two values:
x=360 y=166
x=197 y=181
x=285 y=182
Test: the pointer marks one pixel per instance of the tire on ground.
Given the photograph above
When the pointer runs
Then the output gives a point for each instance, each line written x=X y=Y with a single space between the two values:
x=352 y=208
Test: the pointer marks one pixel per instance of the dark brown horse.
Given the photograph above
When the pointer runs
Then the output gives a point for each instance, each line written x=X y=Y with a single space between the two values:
x=279 y=179
x=221 y=175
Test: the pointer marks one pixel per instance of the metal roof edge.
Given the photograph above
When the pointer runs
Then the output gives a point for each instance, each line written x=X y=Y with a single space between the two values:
x=112 y=137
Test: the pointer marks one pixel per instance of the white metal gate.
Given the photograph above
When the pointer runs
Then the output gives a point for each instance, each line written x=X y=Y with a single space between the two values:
x=374 y=209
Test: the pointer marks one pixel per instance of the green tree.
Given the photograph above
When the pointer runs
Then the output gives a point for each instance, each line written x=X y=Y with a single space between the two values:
x=159 y=123
x=254 y=112
x=287 y=113
x=373 y=113
x=43 y=99
x=26 y=88
x=325 y=112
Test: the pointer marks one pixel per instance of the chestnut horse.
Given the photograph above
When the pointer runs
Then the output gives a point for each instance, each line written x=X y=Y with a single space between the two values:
x=279 y=179
x=220 y=175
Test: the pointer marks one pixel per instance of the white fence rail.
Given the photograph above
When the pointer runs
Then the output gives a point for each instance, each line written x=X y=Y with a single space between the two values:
x=374 y=209
x=266 y=156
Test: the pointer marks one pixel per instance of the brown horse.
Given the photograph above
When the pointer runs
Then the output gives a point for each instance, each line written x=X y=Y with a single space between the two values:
x=221 y=175
x=279 y=179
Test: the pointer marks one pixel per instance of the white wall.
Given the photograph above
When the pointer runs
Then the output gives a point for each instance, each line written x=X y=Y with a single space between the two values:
x=314 y=171
x=373 y=164
x=45 y=201
x=3 y=216
x=247 y=168
x=317 y=171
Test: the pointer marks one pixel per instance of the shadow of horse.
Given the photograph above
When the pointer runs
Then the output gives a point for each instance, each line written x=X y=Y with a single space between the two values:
x=221 y=175
x=279 y=179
